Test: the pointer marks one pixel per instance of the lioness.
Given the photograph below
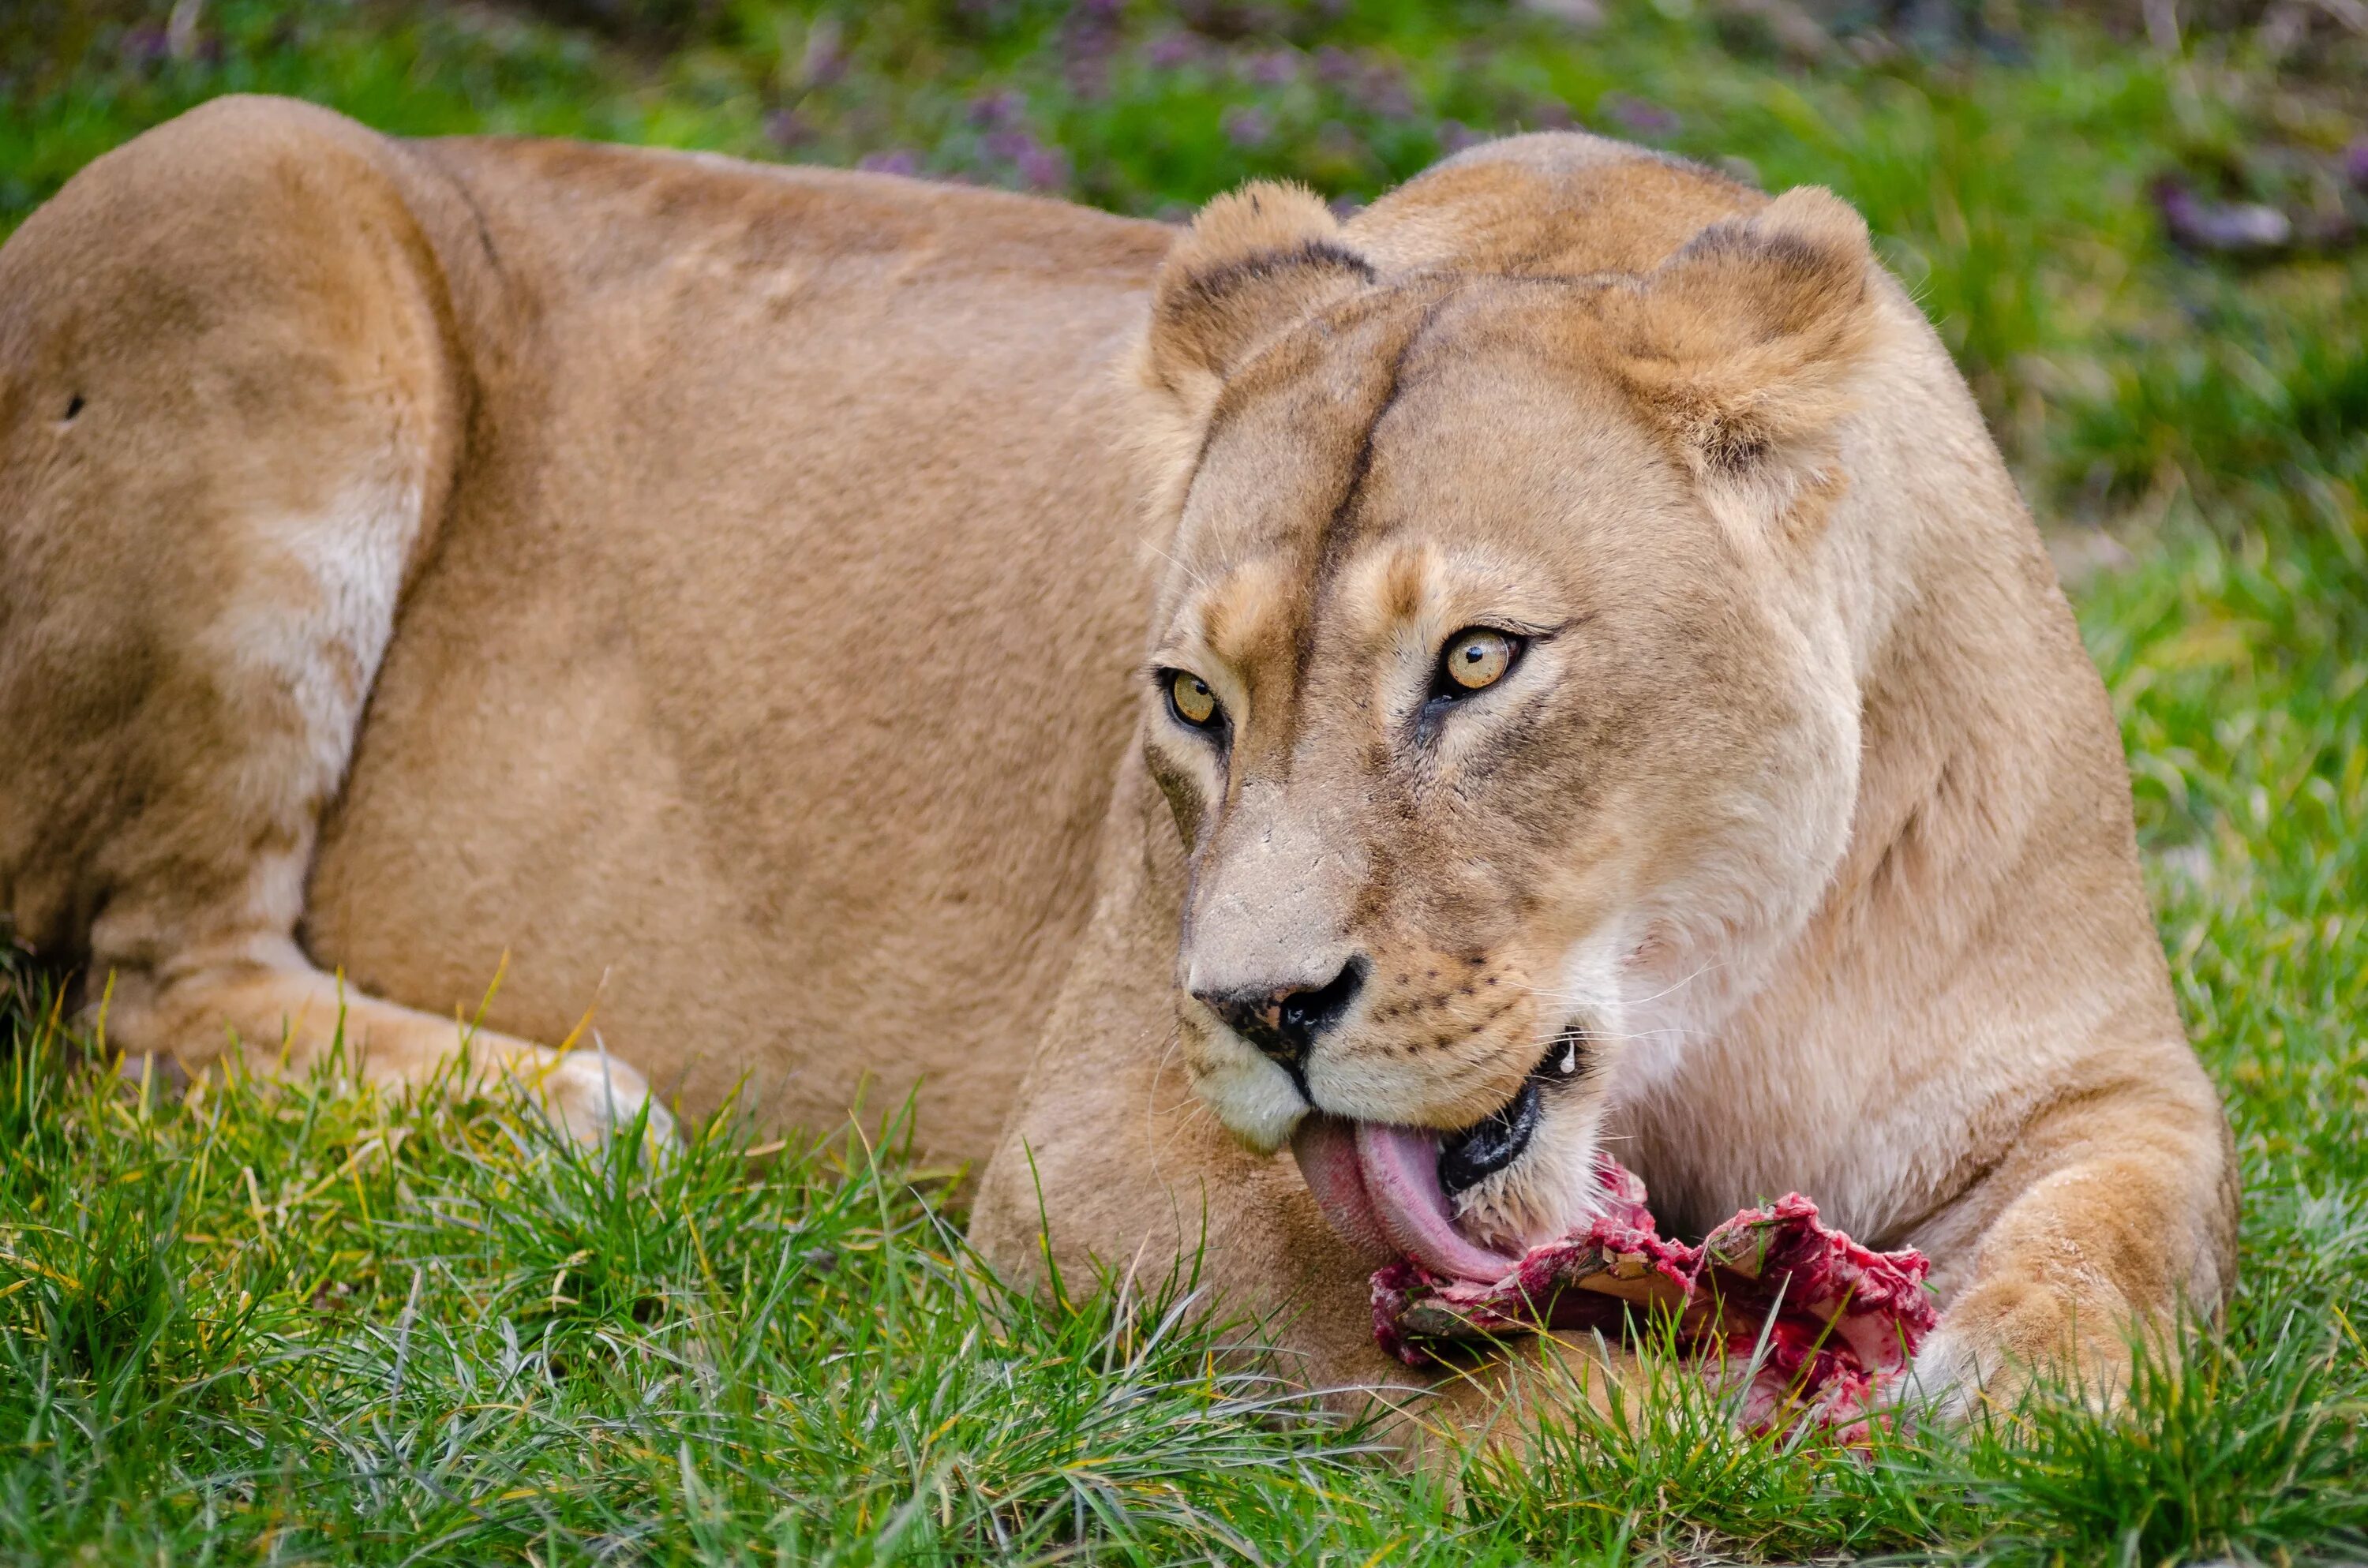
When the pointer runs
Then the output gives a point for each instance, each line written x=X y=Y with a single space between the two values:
x=1552 y=663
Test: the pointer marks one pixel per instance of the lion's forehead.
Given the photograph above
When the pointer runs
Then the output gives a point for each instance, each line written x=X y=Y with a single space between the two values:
x=1285 y=457
x=1424 y=390
x=1409 y=472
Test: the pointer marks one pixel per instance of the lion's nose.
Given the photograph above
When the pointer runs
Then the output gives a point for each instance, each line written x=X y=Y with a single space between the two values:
x=1283 y=1021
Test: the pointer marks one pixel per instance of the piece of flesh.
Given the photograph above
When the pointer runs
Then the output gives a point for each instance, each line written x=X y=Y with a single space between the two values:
x=1819 y=1326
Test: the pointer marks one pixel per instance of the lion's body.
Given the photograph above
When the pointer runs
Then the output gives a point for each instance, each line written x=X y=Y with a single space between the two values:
x=723 y=591
x=720 y=673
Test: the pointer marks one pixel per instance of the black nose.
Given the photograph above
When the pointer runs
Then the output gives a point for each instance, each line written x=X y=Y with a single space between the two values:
x=1283 y=1022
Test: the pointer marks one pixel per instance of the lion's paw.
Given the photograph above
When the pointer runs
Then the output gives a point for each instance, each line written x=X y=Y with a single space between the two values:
x=592 y=1096
x=1996 y=1344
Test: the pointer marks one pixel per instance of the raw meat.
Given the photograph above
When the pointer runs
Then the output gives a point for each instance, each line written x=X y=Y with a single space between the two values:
x=1830 y=1323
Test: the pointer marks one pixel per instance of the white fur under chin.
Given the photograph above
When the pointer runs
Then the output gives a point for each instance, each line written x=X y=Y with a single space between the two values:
x=1549 y=1191
x=1255 y=1099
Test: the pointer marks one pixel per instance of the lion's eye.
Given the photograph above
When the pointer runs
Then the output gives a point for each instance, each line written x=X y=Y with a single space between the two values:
x=1190 y=699
x=1476 y=660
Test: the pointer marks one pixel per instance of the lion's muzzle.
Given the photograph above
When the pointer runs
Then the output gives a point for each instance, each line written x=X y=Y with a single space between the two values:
x=1283 y=1021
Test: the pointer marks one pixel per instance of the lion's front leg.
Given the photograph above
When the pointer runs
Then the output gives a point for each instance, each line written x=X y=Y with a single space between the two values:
x=2116 y=1210
x=286 y=1016
x=1110 y=1165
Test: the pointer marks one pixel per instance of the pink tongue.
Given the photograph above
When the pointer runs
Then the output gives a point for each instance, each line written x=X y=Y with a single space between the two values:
x=1379 y=1186
x=1325 y=1147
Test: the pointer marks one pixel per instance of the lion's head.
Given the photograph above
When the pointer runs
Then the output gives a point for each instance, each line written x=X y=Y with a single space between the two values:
x=1500 y=694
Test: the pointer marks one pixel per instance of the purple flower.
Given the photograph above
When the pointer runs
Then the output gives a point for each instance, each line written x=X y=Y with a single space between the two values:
x=1039 y=167
x=1636 y=115
x=2220 y=227
x=895 y=161
x=1089 y=36
x=1272 y=68
x=1247 y=125
x=1169 y=51
x=1043 y=168
x=825 y=59
x=786 y=127
x=1381 y=91
x=1454 y=136
x=990 y=112
x=1006 y=144
x=145 y=46
x=2355 y=163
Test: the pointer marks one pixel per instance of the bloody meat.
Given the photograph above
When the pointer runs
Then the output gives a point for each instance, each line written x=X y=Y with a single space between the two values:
x=1821 y=1324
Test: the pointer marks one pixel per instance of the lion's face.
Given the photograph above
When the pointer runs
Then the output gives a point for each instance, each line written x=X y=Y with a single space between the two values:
x=1507 y=740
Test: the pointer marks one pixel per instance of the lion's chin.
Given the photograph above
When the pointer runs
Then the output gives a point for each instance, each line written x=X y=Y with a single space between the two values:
x=1253 y=1097
x=1549 y=1192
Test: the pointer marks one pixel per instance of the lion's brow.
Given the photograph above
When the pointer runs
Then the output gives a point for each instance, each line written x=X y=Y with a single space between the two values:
x=1332 y=543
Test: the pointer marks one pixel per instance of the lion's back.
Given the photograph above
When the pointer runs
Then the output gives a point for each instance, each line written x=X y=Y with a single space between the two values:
x=753 y=571
x=773 y=661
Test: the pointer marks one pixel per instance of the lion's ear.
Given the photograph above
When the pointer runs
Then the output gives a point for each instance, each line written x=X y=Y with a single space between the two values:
x=1253 y=263
x=1744 y=344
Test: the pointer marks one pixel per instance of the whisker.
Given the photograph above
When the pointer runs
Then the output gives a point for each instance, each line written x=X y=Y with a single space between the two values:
x=1669 y=989
x=1681 y=984
x=1572 y=1031
x=1151 y=1101
x=1198 y=580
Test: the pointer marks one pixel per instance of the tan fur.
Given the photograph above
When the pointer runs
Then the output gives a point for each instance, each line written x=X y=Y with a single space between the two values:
x=690 y=462
x=725 y=590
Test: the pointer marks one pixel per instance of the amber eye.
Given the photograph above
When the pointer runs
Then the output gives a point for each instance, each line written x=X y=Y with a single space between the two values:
x=1475 y=659
x=1190 y=699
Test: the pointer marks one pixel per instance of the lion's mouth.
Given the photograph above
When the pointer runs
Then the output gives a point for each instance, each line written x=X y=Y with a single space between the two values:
x=1389 y=1190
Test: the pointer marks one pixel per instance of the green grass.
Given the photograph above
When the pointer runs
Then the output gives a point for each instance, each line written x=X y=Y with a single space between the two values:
x=309 y=1325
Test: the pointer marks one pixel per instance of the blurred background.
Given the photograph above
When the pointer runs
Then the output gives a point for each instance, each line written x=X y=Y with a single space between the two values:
x=2136 y=223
